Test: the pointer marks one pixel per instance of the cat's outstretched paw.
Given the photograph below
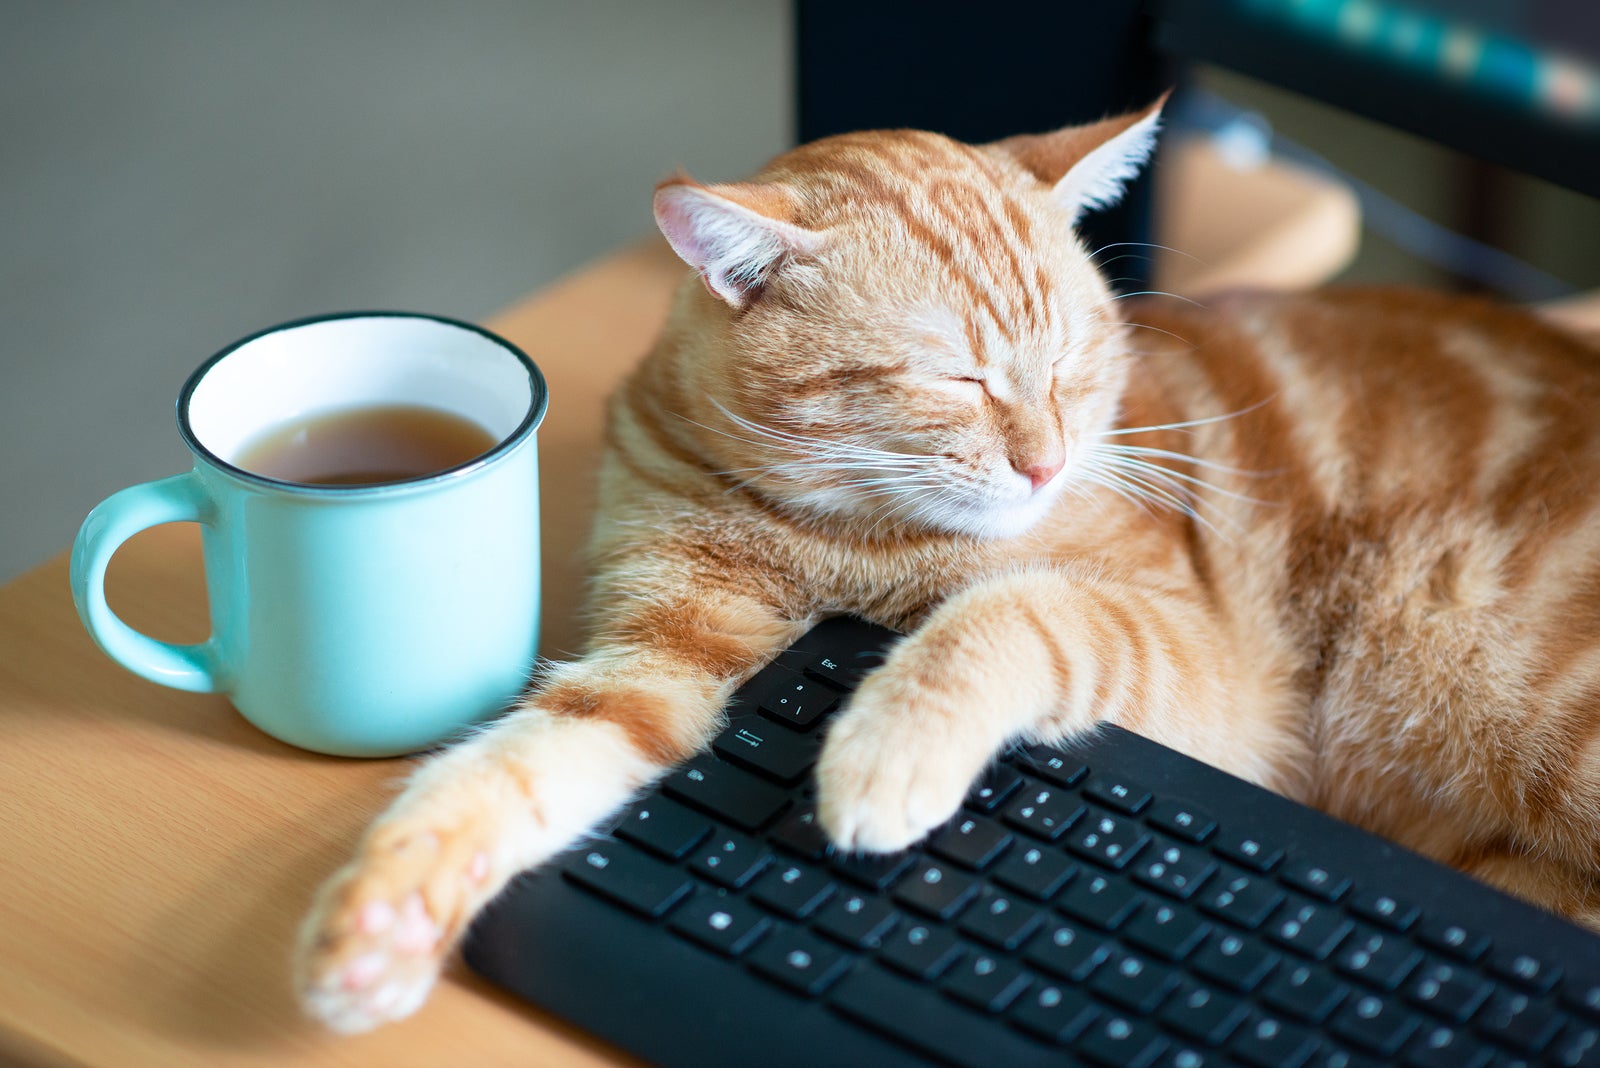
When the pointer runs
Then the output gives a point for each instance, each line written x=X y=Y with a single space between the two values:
x=379 y=932
x=895 y=766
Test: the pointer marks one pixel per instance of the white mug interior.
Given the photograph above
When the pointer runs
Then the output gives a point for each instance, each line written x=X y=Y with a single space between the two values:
x=318 y=367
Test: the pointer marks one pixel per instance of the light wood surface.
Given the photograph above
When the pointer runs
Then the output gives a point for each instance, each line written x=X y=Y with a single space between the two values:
x=159 y=851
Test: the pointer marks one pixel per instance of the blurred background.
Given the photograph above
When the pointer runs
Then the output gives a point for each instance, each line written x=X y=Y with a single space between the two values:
x=179 y=173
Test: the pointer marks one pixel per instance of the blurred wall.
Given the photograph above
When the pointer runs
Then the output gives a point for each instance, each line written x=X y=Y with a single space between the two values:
x=175 y=174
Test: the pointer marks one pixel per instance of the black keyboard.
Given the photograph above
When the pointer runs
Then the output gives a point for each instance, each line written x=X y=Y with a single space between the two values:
x=1113 y=903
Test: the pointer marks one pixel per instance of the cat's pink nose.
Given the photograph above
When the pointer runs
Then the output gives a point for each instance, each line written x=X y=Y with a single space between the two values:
x=1042 y=471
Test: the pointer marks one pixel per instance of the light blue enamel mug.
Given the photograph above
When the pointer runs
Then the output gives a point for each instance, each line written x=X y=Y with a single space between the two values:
x=358 y=620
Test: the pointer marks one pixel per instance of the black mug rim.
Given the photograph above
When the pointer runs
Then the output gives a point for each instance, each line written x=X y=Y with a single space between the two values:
x=538 y=404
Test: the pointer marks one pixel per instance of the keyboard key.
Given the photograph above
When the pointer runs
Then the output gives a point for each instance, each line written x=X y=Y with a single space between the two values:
x=800 y=961
x=1108 y=840
x=1191 y=1057
x=1038 y=872
x=1104 y=902
x=1234 y=961
x=1170 y=932
x=1267 y=1042
x=664 y=827
x=991 y=791
x=731 y=859
x=1051 y=765
x=1175 y=870
x=721 y=922
x=1309 y=929
x=1329 y=1056
x=1181 y=821
x=971 y=841
x=857 y=920
x=1519 y=1021
x=1000 y=920
x=1378 y=959
x=985 y=981
x=769 y=750
x=793 y=890
x=936 y=889
x=1308 y=994
x=1243 y=900
x=875 y=871
x=1386 y=911
x=797 y=701
x=1121 y=795
x=1203 y=1013
x=628 y=876
x=1055 y=1014
x=1134 y=983
x=1524 y=970
x=921 y=951
x=1045 y=812
x=924 y=1020
x=842 y=671
x=1576 y=1045
x=831 y=670
x=1449 y=991
x=1248 y=852
x=801 y=834
x=1446 y=1047
x=1068 y=951
x=1313 y=879
x=729 y=793
x=1374 y=1024
x=1120 y=1042
x=1582 y=993
x=1459 y=942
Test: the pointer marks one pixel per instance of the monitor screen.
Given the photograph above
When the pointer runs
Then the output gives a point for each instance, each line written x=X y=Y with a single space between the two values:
x=1515 y=82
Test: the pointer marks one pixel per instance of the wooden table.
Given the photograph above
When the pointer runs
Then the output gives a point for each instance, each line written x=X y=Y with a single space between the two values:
x=159 y=852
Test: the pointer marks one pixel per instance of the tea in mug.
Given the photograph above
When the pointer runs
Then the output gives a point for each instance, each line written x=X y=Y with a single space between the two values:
x=365 y=446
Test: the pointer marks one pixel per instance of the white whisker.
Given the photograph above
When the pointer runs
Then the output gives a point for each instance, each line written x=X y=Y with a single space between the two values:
x=1147 y=244
x=1159 y=293
x=1157 y=329
x=1188 y=422
x=1146 y=450
x=1166 y=473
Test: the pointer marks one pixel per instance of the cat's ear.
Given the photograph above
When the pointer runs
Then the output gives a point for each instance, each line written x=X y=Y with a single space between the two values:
x=1089 y=166
x=734 y=235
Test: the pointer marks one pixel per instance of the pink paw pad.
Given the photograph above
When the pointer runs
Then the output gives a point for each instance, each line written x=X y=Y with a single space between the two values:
x=360 y=972
x=417 y=933
x=376 y=917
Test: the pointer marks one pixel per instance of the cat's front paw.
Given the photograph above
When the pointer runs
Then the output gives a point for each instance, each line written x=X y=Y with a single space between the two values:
x=379 y=932
x=896 y=764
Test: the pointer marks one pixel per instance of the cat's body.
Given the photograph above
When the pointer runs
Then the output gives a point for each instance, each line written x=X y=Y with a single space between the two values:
x=1359 y=564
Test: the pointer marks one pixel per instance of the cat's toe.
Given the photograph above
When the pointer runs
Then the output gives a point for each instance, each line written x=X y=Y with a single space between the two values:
x=365 y=961
x=376 y=938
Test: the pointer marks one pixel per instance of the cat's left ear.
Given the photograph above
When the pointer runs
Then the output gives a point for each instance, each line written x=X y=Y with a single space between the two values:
x=734 y=235
x=1089 y=166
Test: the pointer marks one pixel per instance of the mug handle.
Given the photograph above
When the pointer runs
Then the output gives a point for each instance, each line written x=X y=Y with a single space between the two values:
x=179 y=499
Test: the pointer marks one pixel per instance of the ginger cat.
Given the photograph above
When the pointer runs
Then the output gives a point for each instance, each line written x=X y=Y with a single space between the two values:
x=1343 y=544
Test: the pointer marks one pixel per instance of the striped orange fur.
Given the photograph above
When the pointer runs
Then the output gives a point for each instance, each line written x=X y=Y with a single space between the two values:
x=1343 y=544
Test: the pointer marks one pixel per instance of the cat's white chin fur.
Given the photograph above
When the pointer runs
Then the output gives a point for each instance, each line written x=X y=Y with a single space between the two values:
x=991 y=519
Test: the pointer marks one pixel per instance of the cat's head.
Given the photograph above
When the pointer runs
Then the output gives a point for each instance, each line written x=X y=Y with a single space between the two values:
x=896 y=329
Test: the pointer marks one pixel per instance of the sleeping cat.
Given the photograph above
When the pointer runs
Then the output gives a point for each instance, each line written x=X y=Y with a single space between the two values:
x=1340 y=544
